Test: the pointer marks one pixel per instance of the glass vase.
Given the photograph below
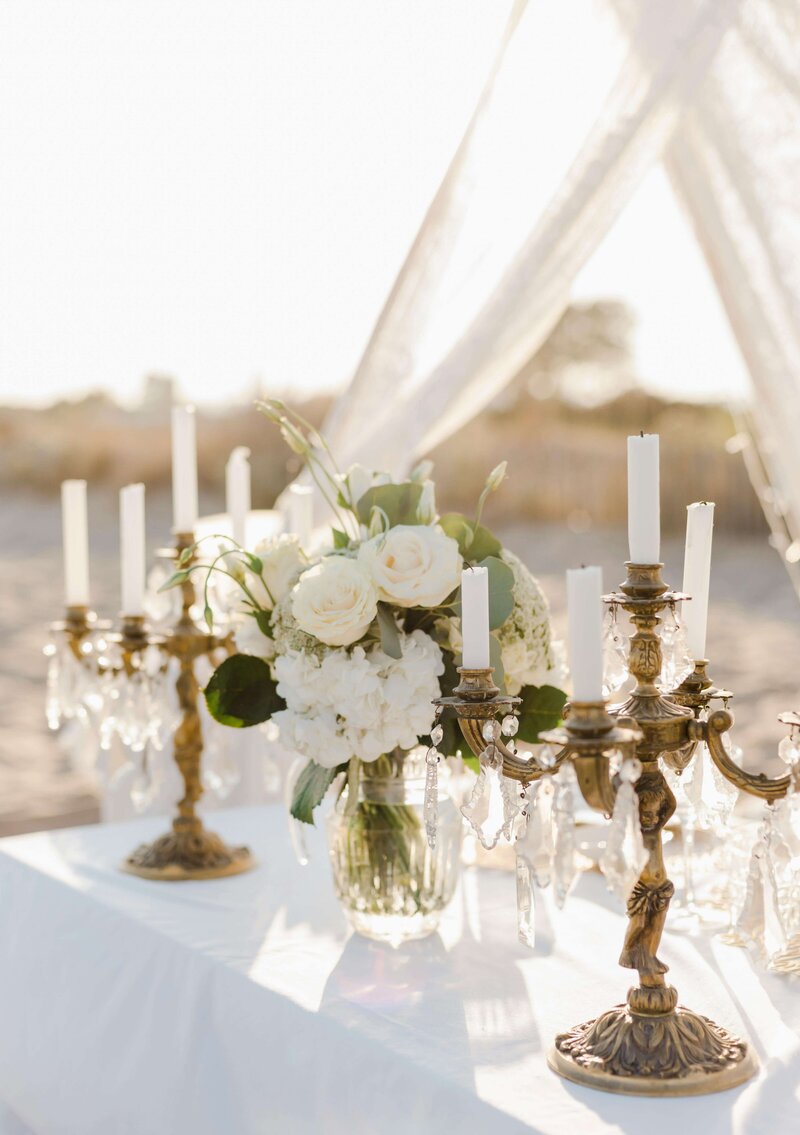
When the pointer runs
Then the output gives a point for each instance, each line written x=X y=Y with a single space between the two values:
x=392 y=886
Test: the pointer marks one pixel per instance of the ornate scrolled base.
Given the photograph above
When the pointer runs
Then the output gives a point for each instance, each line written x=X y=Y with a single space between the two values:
x=667 y=1054
x=188 y=852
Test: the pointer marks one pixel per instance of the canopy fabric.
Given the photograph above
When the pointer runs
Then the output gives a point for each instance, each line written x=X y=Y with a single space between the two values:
x=711 y=88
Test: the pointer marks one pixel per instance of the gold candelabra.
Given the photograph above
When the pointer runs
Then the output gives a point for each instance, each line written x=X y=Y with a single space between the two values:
x=189 y=850
x=650 y=1045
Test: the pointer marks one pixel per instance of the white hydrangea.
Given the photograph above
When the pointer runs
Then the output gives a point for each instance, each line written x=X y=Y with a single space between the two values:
x=530 y=657
x=357 y=703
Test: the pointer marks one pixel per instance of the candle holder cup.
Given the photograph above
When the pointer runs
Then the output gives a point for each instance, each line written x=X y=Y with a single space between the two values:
x=650 y=1045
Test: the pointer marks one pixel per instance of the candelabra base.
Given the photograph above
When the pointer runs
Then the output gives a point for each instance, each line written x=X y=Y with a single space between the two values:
x=678 y=1053
x=188 y=852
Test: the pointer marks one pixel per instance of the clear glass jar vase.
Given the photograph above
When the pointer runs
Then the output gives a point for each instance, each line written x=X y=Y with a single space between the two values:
x=392 y=886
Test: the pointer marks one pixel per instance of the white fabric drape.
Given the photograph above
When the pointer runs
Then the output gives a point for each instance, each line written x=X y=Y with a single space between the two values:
x=583 y=100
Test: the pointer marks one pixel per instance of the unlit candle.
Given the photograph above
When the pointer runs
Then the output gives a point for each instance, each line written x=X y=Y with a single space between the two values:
x=585 y=607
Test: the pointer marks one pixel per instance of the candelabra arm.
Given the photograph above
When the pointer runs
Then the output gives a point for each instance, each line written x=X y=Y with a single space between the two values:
x=755 y=784
x=596 y=783
x=476 y=700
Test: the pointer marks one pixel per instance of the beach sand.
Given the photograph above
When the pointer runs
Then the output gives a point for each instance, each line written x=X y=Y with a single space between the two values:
x=754 y=636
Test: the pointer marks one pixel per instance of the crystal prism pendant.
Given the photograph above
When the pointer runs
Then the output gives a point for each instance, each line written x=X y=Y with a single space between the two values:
x=492 y=806
x=615 y=655
x=677 y=663
x=526 y=927
x=711 y=797
x=625 y=855
x=565 y=866
x=535 y=846
x=759 y=924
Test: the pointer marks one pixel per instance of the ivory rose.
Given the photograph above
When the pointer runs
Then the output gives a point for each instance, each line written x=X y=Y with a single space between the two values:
x=413 y=565
x=282 y=560
x=335 y=601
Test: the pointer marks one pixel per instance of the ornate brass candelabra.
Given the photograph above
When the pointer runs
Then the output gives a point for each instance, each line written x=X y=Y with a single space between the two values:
x=189 y=851
x=650 y=1045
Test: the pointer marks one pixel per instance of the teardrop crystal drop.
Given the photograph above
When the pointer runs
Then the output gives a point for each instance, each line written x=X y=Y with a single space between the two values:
x=492 y=805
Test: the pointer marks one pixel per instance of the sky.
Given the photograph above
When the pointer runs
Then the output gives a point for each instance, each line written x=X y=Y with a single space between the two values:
x=224 y=192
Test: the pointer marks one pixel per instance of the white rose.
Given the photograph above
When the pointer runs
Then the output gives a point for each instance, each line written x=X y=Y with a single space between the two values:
x=282 y=561
x=335 y=601
x=413 y=565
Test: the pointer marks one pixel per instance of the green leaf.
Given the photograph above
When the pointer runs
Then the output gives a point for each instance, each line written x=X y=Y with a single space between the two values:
x=390 y=639
x=208 y=615
x=398 y=502
x=340 y=539
x=501 y=591
x=541 y=709
x=264 y=622
x=186 y=556
x=474 y=543
x=312 y=784
x=255 y=564
x=176 y=578
x=242 y=692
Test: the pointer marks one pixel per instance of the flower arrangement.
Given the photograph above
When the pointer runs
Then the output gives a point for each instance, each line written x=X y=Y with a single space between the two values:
x=345 y=651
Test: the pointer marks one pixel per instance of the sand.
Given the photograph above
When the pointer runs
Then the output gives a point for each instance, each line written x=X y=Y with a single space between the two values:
x=754 y=636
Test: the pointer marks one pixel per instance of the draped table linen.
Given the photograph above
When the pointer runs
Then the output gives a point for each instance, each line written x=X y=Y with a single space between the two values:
x=243 y=1005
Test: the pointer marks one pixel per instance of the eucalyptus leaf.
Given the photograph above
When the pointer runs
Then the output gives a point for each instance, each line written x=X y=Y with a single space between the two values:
x=474 y=541
x=242 y=692
x=390 y=639
x=398 y=502
x=309 y=791
x=541 y=709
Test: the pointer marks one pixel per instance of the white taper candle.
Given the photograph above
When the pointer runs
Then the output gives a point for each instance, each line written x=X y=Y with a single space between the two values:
x=697 y=574
x=184 y=469
x=237 y=492
x=301 y=513
x=644 y=503
x=132 y=549
x=75 y=534
x=585 y=608
x=475 y=618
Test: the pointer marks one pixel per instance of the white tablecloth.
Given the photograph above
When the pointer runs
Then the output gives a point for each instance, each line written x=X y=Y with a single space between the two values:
x=241 y=1005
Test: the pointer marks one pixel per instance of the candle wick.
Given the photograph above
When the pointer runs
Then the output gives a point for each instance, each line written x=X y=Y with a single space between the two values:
x=641 y=433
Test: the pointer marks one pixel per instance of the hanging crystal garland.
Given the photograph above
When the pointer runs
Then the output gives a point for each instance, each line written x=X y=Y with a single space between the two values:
x=430 y=806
